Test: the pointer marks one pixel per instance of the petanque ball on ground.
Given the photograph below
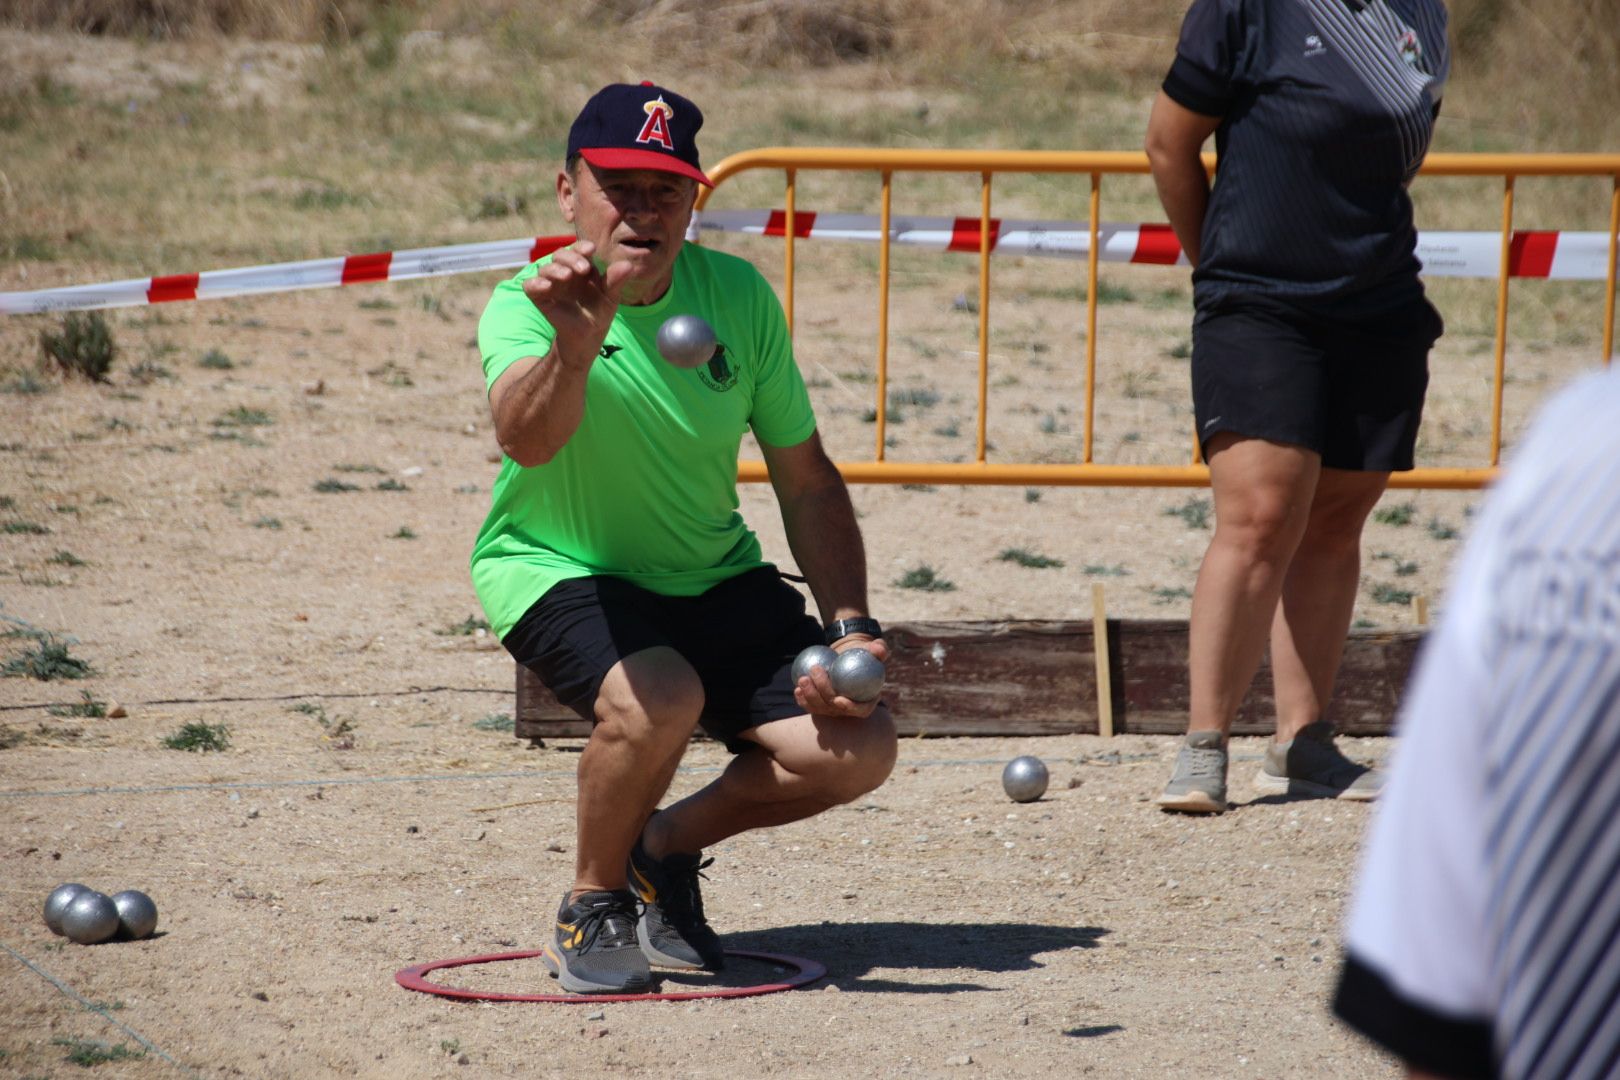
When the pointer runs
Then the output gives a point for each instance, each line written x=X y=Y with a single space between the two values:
x=857 y=675
x=1024 y=779
x=813 y=657
x=90 y=918
x=57 y=902
x=137 y=914
x=686 y=341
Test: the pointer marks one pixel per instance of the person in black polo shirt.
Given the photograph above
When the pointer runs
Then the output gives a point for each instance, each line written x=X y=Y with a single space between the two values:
x=1311 y=337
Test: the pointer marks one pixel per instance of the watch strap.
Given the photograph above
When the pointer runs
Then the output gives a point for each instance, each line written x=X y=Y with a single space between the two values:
x=842 y=628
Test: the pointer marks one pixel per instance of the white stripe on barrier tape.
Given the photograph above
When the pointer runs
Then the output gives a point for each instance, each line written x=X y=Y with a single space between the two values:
x=1570 y=256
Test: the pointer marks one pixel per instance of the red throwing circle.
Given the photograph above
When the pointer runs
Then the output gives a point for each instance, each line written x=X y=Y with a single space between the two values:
x=414 y=978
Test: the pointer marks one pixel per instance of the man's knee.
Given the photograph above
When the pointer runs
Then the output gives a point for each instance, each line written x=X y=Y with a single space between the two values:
x=651 y=697
x=862 y=762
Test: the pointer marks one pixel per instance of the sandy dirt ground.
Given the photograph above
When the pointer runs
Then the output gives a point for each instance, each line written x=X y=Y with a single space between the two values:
x=369 y=813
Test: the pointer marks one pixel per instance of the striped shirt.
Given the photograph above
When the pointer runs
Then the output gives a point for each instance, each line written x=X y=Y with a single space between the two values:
x=1326 y=108
x=1484 y=936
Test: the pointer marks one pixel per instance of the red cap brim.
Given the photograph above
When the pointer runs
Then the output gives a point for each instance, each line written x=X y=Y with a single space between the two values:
x=620 y=158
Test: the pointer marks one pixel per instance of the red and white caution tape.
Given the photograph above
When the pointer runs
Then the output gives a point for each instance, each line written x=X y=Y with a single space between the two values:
x=1569 y=256
x=285 y=277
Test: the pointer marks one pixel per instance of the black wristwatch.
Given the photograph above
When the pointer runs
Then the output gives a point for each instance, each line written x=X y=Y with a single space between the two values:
x=840 y=628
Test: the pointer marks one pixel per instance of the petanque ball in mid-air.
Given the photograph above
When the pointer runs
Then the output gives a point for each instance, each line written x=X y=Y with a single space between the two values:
x=137 y=914
x=57 y=902
x=813 y=657
x=90 y=918
x=686 y=341
x=1024 y=779
x=857 y=675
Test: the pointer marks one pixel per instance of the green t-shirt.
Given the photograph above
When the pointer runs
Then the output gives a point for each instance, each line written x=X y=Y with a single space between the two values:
x=646 y=490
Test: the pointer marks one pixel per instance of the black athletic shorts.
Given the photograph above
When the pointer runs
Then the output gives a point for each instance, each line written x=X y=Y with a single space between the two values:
x=1351 y=390
x=741 y=637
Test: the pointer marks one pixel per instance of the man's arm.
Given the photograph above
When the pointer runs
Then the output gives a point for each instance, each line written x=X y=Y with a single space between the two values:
x=538 y=402
x=826 y=543
x=1175 y=141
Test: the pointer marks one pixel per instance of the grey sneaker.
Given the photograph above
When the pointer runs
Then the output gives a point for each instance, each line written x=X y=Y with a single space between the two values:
x=1310 y=764
x=1198 y=786
x=594 y=949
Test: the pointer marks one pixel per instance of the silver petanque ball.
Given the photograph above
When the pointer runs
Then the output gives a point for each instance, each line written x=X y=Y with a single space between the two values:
x=57 y=902
x=857 y=675
x=90 y=918
x=1024 y=779
x=686 y=341
x=813 y=657
x=137 y=914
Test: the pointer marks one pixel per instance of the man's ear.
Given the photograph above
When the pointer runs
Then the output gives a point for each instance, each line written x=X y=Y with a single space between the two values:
x=565 y=195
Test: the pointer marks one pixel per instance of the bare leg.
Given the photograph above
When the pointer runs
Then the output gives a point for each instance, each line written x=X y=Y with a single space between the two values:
x=1318 y=597
x=646 y=712
x=798 y=768
x=1263 y=494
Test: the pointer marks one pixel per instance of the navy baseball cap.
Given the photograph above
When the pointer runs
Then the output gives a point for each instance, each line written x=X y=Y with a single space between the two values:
x=628 y=126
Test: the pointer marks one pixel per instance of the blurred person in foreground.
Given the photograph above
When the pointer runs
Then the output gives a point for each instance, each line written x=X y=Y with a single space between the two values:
x=1311 y=337
x=1483 y=938
x=614 y=563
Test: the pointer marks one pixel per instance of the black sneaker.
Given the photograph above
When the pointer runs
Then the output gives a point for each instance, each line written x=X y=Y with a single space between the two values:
x=594 y=950
x=672 y=929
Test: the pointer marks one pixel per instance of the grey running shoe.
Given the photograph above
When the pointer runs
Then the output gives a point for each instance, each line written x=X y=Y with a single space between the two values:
x=1310 y=764
x=1198 y=786
x=594 y=950
x=672 y=929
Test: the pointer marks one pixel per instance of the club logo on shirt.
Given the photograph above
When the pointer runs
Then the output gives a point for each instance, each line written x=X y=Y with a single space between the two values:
x=609 y=350
x=718 y=374
x=656 y=127
x=1314 y=46
x=1411 y=49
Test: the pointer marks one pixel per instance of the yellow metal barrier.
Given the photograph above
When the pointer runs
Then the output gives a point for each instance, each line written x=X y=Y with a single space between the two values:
x=1087 y=472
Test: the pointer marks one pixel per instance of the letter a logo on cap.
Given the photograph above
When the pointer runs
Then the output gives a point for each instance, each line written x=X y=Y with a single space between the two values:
x=656 y=129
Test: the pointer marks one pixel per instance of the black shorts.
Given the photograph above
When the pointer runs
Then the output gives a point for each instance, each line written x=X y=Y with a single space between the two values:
x=1352 y=391
x=741 y=637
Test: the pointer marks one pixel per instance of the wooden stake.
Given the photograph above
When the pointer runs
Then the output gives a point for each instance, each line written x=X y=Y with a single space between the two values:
x=1099 y=639
x=1420 y=609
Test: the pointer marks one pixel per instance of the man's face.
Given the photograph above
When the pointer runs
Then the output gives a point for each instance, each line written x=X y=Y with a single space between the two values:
x=635 y=215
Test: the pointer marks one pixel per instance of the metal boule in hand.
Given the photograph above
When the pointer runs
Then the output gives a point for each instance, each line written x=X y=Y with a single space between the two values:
x=813 y=657
x=686 y=341
x=857 y=675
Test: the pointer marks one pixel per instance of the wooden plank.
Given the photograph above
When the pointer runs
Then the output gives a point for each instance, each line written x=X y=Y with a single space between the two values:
x=1040 y=678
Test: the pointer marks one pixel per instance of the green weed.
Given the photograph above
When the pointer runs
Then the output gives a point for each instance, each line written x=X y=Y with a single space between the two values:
x=267 y=523
x=87 y=1053
x=244 y=417
x=924 y=579
x=25 y=383
x=50 y=660
x=24 y=528
x=495 y=722
x=465 y=628
x=1101 y=570
x=358 y=469
x=1164 y=595
x=404 y=533
x=88 y=706
x=1194 y=513
x=1388 y=594
x=217 y=360
x=1028 y=558
x=332 y=486
x=391 y=485
x=1398 y=515
x=1440 y=530
x=83 y=347
x=199 y=738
